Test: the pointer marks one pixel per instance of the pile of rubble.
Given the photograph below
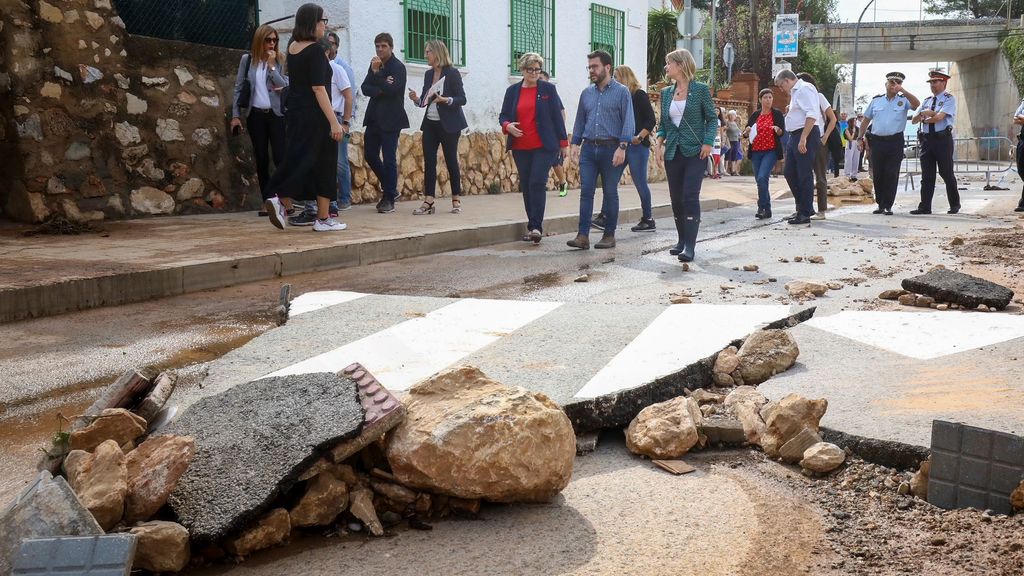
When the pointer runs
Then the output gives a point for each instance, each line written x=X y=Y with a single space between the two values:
x=944 y=289
x=862 y=189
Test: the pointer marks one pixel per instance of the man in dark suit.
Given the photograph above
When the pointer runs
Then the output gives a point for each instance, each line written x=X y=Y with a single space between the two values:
x=385 y=118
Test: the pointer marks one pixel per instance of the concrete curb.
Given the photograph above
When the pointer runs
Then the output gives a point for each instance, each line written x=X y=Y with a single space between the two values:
x=125 y=288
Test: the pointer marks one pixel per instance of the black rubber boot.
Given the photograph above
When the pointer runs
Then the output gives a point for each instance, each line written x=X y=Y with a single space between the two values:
x=675 y=250
x=690 y=227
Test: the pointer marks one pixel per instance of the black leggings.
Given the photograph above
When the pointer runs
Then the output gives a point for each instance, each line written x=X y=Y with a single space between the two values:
x=434 y=135
x=266 y=130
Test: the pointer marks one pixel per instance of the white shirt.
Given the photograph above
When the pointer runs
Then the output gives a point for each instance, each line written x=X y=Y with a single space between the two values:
x=803 y=104
x=260 y=93
x=675 y=111
x=432 y=111
x=339 y=83
x=823 y=105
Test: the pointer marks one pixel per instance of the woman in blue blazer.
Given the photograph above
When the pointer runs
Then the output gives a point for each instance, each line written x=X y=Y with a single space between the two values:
x=442 y=124
x=531 y=115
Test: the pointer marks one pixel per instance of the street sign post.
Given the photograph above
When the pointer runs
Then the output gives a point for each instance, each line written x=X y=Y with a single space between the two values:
x=689 y=23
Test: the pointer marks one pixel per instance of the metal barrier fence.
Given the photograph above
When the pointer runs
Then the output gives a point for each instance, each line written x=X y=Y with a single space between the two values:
x=986 y=155
x=224 y=23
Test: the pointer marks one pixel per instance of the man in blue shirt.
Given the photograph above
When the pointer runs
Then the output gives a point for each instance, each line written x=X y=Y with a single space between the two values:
x=603 y=129
x=936 y=137
x=885 y=120
x=344 y=201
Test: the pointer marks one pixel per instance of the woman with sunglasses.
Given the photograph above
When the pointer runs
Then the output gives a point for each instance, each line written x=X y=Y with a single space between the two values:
x=264 y=116
x=531 y=116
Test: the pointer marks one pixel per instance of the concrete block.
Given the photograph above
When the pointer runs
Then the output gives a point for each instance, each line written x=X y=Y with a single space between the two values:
x=106 y=555
x=974 y=467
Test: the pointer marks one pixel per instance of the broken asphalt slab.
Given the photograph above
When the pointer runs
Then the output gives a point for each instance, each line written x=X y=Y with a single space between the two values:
x=253 y=442
x=958 y=288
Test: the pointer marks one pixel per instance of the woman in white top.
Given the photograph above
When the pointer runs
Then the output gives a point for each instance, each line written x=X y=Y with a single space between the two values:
x=259 y=85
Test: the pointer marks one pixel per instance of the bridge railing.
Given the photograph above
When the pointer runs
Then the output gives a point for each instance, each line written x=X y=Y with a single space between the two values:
x=988 y=155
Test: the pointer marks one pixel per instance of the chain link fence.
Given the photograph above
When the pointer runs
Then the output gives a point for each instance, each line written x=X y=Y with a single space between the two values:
x=224 y=23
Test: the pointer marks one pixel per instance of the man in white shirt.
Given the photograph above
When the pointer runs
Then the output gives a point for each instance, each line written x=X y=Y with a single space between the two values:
x=804 y=142
x=826 y=125
x=342 y=101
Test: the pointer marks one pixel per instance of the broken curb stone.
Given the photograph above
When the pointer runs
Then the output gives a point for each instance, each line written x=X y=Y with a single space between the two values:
x=252 y=442
x=745 y=402
x=103 y=555
x=946 y=285
x=100 y=480
x=381 y=412
x=793 y=451
x=469 y=436
x=163 y=387
x=665 y=430
x=46 y=508
x=160 y=546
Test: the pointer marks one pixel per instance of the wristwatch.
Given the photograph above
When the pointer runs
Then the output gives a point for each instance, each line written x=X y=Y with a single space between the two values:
x=622 y=145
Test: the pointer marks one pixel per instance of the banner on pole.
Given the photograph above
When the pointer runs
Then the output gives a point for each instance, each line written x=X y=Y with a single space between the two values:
x=787 y=34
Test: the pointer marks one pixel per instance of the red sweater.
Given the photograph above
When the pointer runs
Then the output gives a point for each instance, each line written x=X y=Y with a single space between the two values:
x=526 y=118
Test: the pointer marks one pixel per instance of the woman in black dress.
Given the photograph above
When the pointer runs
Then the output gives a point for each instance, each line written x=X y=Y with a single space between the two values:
x=309 y=170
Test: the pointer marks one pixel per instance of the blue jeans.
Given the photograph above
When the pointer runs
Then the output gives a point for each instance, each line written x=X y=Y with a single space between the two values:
x=344 y=173
x=380 y=149
x=763 y=163
x=637 y=158
x=596 y=160
x=533 y=166
x=799 y=170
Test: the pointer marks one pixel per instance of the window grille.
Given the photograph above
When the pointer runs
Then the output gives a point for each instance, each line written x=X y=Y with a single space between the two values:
x=435 y=19
x=532 y=26
x=607 y=31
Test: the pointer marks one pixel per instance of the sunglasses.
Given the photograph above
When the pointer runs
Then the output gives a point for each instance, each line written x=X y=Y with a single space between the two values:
x=271 y=40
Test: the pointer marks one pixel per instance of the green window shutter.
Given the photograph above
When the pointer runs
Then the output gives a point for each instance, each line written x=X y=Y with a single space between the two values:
x=434 y=19
x=532 y=26
x=608 y=31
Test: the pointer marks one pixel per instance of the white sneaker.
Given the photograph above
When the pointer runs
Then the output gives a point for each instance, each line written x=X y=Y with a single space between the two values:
x=329 y=225
x=276 y=212
x=818 y=216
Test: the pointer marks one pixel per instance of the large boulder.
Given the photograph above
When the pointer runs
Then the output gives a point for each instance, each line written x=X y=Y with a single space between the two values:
x=468 y=436
x=115 y=424
x=766 y=353
x=154 y=469
x=665 y=430
x=968 y=291
x=100 y=480
x=160 y=547
x=786 y=418
x=745 y=402
x=823 y=457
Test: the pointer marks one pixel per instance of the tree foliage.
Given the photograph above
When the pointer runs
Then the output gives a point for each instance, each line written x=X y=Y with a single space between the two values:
x=661 y=39
x=973 y=8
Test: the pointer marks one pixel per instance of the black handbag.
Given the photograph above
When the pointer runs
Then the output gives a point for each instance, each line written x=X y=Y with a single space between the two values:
x=245 y=96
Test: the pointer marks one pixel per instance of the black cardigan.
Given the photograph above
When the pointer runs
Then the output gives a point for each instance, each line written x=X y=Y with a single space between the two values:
x=643 y=115
x=778 y=120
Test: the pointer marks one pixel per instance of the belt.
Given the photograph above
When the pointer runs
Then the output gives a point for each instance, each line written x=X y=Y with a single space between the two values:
x=601 y=142
x=887 y=138
x=940 y=134
x=264 y=110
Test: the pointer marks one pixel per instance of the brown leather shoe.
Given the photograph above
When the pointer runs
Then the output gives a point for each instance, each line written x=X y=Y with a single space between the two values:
x=580 y=241
x=607 y=241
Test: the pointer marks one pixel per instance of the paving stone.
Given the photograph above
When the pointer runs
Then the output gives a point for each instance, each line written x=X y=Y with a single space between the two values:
x=105 y=555
x=381 y=412
x=949 y=286
x=48 y=507
x=974 y=467
x=253 y=442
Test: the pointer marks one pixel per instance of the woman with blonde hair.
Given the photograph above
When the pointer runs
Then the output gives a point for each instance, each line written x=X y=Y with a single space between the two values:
x=687 y=131
x=442 y=124
x=639 y=151
x=258 y=87
x=531 y=115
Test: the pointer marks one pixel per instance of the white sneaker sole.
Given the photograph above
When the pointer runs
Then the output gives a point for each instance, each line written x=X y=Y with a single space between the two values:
x=274 y=213
x=338 y=228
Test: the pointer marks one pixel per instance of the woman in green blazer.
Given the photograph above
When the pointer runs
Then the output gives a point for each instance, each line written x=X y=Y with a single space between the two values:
x=686 y=132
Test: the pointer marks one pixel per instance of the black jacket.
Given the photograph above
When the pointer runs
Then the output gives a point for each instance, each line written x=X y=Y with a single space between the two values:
x=643 y=115
x=453 y=119
x=386 y=110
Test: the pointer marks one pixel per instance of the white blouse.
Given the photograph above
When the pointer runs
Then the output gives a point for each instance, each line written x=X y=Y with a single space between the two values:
x=260 y=93
x=675 y=111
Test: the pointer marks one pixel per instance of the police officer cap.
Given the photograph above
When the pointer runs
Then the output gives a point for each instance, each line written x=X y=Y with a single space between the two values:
x=898 y=76
x=938 y=75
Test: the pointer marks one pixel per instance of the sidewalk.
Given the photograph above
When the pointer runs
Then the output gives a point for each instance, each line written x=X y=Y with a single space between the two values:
x=136 y=260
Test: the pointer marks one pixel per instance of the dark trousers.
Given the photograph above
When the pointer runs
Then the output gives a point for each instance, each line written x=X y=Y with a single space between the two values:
x=937 y=151
x=380 y=149
x=685 y=175
x=266 y=130
x=836 y=151
x=886 y=162
x=533 y=167
x=799 y=169
x=434 y=136
x=820 y=180
x=1020 y=165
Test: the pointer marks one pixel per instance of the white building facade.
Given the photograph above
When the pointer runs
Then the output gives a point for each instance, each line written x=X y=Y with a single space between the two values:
x=485 y=37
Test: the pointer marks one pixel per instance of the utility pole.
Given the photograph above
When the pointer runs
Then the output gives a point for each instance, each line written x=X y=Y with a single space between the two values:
x=714 y=48
x=754 y=56
x=856 y=46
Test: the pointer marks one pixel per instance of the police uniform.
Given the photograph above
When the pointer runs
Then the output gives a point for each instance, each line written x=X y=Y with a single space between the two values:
x=888 y=120
x=1020 y=154
x=937 y=149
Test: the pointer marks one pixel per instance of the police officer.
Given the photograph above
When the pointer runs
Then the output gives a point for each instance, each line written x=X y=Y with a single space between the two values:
x=936 y=137
x=885 y=120
x=1018 y=120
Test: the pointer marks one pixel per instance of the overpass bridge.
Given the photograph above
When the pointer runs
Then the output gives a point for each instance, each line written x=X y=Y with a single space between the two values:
x=982 y=81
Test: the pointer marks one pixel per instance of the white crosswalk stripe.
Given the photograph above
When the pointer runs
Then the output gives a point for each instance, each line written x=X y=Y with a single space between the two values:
x=313 y=301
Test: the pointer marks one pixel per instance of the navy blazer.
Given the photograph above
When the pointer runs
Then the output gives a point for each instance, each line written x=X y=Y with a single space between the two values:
x=452 y=118
x=550 y=124
x=386 y=110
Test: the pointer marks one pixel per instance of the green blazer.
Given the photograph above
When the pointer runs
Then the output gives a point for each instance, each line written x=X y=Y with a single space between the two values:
x=699 y=125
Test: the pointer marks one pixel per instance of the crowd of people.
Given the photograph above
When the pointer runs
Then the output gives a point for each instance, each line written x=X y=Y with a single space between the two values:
x=302 y=120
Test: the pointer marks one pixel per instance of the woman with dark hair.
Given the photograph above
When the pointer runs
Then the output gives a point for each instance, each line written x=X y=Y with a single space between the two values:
x=262 y=66
x=442 y=124
x=764 y=131
x=531 y=115
x=310 y=165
